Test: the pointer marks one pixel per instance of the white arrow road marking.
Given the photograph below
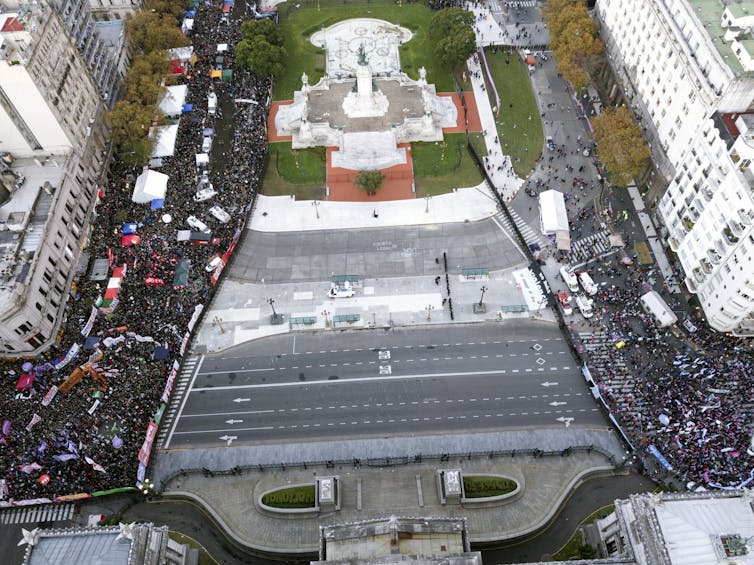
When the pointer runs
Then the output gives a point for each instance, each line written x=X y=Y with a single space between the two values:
x=566 y=421
x=241 y=400
x=548 y=384
x=241 y=421
x=556 y=403
x=228 y=439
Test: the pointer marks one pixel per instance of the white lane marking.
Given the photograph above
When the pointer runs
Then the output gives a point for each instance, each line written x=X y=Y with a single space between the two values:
x=206 y=415
x=226 y=430
x=241 y=371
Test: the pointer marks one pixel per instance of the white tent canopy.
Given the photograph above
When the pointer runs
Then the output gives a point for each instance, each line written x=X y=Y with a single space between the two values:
x=202 y=159
x=552 y=212
x=182 y=54
x=164 y=140
x=150 y=185
x=171 y=102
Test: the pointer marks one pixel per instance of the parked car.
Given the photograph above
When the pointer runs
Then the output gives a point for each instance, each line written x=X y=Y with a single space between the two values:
x=219 y=214
x=550 y=143
x=565 y=302
x=587 y=283
x=584 y=305
x=196 y=224
x=569 y=278
x=206 y=144
x=689 y=325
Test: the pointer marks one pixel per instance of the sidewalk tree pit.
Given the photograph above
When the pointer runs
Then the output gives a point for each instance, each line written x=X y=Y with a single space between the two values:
x=293 y=497
x=486 y=486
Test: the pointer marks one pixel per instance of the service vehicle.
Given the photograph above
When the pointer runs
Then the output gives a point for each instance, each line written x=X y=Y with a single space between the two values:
x=587 y=283
x=565 y=302
x=569 y=278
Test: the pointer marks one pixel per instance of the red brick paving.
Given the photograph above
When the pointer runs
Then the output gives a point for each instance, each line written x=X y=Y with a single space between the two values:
x=272 y=132
x=396 y=186
x=475 y=124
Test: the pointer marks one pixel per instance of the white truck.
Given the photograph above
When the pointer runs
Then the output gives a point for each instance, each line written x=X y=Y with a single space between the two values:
x=584 y=305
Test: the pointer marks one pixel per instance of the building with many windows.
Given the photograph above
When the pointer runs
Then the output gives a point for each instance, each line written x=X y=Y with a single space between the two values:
x=687 y=68
x=56 y=78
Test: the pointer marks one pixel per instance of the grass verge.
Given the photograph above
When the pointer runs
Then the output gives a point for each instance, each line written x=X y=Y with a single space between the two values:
x=441 y=167
x=299 y=23
x=482 y=487
x=574 y=549
x=205 y=558
x=519 y=124
x=300 y=172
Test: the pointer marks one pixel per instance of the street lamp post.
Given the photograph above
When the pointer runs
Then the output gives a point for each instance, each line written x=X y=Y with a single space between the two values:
x=429 y=312
x=315 y=203
x=276 y=318
x=219 y=322
x=483 y=289
x=326 y=313
x=426 y=208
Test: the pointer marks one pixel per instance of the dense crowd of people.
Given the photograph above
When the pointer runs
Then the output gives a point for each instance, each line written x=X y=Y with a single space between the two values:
x=681 y=396
x=87 y=439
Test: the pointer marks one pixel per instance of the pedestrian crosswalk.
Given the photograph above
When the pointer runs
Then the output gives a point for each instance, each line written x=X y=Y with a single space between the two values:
x=37 y=514
x=530 y=236
x=520 y=3
x=590 y=246
x=188 y=369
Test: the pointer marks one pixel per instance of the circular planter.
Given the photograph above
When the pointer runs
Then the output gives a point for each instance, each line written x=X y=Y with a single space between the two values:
x=279 y=510
x=500 y=497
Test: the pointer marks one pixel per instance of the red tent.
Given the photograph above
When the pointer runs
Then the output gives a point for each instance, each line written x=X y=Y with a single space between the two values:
x=131 y=239
x=25 y=381
x=226 y=9
x=530 y=60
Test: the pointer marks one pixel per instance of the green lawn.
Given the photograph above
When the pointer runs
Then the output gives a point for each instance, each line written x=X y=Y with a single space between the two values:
x=300 y=172
x=524 y=136
x=483 y=487
x=297 y=24
x=439 y=168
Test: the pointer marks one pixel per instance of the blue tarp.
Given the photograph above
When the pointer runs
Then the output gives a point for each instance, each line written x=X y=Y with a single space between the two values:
x=191 y=14
x=187 y=108
x=91 y=343
x=157 y=203
x=160 y=354
x=208 y=132
x=660 y=457
x=129 y=228
x=230 y=3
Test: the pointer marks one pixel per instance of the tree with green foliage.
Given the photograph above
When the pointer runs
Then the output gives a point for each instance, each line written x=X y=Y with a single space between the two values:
x=167 y=7
x=130 y=123
x=369 y=181
x=266 y=28
x=452 y=32
x=573 y=39
x=149 y=31
x=260 y=57
x=144 y=78
x=620 y=144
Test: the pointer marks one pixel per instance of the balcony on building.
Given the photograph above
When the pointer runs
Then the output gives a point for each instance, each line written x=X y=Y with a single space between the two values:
x=707 y=193
x=706 y=266
x=691 y=285
x=697 y=275
x=674 y=244
x=730 y=237
x=687 y=223
x=747 y=216
x=736 y=228
x=714 y=256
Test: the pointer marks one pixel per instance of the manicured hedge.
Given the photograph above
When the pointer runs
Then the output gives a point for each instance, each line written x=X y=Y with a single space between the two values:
x=484 y=486
x=293 y=497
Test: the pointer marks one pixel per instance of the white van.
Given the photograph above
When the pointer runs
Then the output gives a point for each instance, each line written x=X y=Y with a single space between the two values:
x=204 y=194
x=206 y=144
x=197 y=225
x=569 y=278
x=584 y=305
x=219 y=214
x=653 y=304
x=587 y=283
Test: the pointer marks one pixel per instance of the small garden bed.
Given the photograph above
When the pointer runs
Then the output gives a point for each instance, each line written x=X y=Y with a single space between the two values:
x=487 y=486
x=300 y=496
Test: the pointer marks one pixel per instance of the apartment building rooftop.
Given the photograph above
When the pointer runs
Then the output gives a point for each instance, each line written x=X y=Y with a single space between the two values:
x=22 y=220
x=710 y=14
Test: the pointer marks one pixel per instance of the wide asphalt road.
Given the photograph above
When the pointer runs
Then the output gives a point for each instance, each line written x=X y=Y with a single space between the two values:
x=483 y=377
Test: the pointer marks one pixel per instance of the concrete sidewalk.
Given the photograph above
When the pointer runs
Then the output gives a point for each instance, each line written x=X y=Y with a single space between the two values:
x=405 y=490
x=285 y=213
